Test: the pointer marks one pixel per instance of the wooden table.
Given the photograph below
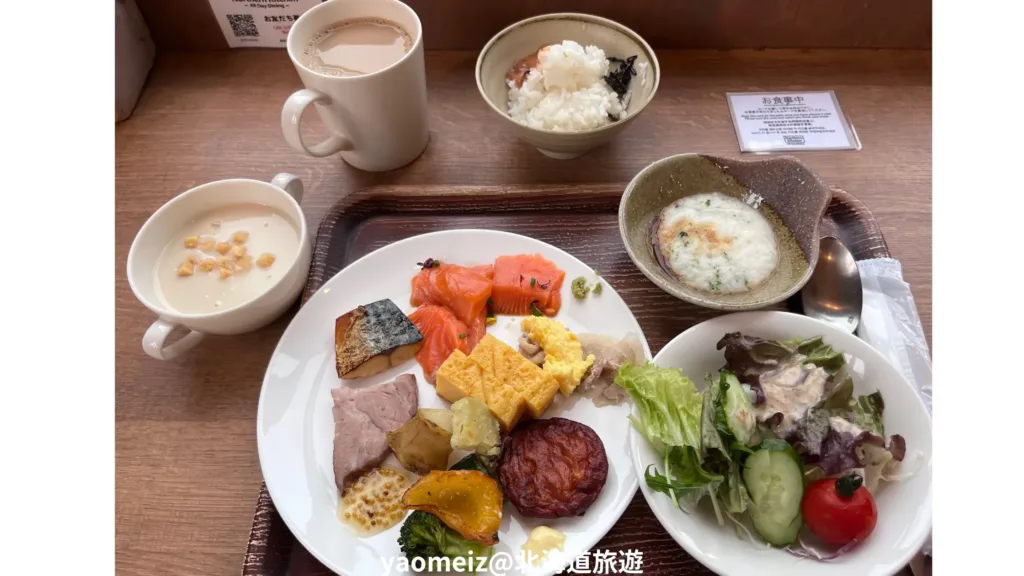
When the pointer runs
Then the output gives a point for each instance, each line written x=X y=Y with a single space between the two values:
x=187 y=469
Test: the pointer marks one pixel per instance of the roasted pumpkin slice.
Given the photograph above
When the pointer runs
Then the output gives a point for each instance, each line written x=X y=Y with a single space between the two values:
x=467 y=501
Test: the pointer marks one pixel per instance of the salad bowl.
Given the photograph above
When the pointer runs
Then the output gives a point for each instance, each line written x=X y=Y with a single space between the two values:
x=904 y=504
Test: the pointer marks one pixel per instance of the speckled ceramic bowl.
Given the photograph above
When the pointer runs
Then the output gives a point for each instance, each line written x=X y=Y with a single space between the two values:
x=792 y=198
x=527 y=36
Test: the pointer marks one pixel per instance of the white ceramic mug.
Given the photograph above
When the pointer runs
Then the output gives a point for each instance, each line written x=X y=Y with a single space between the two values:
x=377 y=121
x=283 y=193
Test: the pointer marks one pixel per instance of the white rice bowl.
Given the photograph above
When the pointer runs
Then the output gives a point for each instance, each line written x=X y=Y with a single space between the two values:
x=566 y=92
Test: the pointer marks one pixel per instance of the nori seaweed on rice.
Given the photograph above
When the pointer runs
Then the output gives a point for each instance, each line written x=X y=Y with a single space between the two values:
x=619 y=78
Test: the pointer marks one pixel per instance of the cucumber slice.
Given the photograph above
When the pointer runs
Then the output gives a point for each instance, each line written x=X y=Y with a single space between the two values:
x=774 y=477
x=739 y=412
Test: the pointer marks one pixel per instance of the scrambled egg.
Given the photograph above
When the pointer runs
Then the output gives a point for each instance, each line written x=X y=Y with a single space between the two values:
x=563 y=353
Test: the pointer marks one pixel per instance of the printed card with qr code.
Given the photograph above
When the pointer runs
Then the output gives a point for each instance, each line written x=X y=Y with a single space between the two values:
x=258 y=23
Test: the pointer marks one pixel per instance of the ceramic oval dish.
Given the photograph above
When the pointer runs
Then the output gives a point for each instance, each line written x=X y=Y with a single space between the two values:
x=792 y=198
x=527 y=36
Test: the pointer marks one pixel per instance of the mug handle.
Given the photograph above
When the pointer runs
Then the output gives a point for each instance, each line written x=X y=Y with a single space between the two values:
x=153 y=341
x=291 y=184
x=291 y=119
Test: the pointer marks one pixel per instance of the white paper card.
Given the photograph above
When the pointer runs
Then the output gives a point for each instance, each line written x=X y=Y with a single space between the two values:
x=785 y=121
x=258 y=23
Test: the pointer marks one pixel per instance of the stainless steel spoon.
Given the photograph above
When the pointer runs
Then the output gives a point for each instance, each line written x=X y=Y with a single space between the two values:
x=834 y=293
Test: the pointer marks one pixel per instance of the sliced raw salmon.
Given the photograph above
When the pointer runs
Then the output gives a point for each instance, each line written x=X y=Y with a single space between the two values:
x=442 y=333
x=525 y=278
x=462 y=290
x=485 y=270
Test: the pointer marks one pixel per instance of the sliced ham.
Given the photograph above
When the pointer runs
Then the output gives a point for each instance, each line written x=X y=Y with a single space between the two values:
x=362 y=419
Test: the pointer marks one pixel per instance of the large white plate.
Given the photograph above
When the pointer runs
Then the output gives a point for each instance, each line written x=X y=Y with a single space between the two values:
x=295 y=429
x=904 y=508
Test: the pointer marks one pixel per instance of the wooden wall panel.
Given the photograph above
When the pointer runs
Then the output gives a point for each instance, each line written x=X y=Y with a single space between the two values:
x=719 y=24
x=182 y=24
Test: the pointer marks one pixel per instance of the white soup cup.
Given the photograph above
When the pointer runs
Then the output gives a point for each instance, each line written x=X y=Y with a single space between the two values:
x=283 y=193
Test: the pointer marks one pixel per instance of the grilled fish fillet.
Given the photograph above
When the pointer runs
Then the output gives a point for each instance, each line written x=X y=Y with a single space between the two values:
x=373 y=338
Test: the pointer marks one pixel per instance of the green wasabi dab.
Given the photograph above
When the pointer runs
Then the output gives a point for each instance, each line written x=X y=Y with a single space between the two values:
x=580 y=288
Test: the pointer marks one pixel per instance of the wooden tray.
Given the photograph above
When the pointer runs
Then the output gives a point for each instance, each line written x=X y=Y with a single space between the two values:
x=581 y=219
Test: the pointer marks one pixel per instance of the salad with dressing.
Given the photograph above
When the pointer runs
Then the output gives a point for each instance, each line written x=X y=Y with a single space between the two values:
x=777 y=435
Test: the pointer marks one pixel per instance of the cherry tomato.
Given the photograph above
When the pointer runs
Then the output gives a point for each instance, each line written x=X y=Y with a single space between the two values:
x=839 y=510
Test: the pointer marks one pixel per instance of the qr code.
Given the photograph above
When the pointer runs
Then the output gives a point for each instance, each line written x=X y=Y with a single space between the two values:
x=243 y=25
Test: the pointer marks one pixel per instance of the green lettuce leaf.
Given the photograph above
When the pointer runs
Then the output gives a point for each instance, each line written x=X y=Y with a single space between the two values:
x=867 y=413
x=721 y=424
x=671 y=417
x=684 y=473
x=668 y=403
x=711 y=440
x=840 y=397
x=817 y=353
x=733 y=492
x=721 y=421
x=688 y=483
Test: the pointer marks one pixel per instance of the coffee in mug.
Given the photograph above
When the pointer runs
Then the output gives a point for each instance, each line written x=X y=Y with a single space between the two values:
x=356 y=47
x=361 y=62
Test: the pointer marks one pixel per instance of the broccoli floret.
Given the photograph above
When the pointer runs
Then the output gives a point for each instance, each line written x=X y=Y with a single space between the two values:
x=424 y=535
x=421 y=535
x=478 y=463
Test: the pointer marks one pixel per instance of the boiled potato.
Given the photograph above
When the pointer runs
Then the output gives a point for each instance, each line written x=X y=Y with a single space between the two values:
x=424 y=442
x=473 y=428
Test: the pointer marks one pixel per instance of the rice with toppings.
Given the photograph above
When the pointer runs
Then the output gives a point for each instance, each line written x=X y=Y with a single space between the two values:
x=566 y=91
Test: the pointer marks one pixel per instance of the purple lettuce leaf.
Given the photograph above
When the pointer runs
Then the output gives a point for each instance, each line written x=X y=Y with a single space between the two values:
x=830 y=442
x=748 y=357
x=834 y=433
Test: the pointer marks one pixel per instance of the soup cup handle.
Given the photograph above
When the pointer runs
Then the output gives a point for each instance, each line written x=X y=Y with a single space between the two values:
x=291 y=125
x=153 y=341
x=290 y=183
